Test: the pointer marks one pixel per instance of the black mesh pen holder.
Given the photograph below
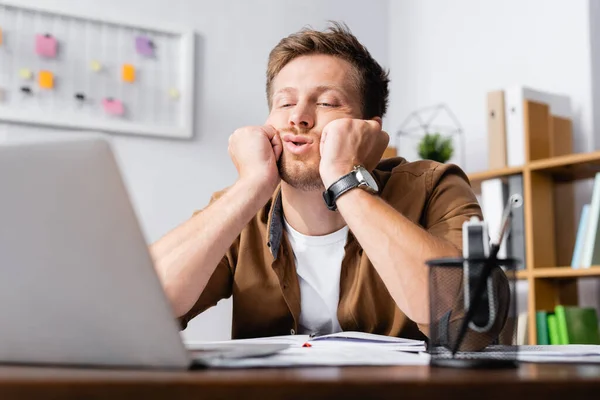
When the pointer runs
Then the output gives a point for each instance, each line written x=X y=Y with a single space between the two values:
x=472 y=313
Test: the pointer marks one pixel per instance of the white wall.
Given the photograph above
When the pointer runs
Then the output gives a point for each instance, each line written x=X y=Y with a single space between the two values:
x=456 y=51
x=169 y=179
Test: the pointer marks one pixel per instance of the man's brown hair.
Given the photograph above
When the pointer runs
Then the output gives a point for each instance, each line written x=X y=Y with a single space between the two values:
x=336 y=41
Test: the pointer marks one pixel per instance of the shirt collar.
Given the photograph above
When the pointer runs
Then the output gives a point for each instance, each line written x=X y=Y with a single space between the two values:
x=275 y=223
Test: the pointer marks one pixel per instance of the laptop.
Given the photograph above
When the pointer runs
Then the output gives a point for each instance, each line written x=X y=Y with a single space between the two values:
x=77 y=283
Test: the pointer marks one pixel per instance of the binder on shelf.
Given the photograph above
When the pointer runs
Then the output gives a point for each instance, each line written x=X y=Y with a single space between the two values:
x=516 y=235
x=496 y=129
x=494 y=195
x=522 y=145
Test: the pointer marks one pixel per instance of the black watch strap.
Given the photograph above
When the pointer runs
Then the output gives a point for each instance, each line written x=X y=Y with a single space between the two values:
x=338 y=188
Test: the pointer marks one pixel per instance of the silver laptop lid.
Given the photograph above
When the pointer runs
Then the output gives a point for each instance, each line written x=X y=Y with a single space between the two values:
x=77 y=284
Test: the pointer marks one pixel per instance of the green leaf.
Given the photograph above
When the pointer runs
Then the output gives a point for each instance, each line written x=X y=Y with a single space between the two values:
x=435 y=147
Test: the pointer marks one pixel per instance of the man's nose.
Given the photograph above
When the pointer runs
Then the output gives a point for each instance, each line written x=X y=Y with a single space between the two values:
x=302 y=117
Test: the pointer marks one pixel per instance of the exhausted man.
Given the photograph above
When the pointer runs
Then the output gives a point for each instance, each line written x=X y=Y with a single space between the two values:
x=317 y=235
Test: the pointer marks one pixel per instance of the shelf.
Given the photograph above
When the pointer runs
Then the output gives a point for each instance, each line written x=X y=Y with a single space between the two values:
x=565 y=272
x=569 y=167
x=521 y=274
x=495 y=173
x=564 y=168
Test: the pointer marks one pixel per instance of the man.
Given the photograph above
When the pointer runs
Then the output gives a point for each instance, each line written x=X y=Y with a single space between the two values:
x=272 y=239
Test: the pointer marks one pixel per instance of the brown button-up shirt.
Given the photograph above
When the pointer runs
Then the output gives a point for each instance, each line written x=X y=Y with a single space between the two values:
x=260 y=272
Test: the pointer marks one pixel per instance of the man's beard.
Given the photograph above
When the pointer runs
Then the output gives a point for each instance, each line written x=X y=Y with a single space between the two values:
x=297 y=170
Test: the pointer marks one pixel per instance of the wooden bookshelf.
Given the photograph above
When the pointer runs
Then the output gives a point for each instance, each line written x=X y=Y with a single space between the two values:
x=549 y=174
x=565 y=272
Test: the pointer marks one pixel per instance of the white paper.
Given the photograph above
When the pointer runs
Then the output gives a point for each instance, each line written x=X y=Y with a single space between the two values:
x=573 y=353
x=365 y=341
x=292 y=340
x=368 y=338
x=325 y=357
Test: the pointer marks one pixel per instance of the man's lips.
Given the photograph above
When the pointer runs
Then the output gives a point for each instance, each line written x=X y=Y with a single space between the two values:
x=296 y=144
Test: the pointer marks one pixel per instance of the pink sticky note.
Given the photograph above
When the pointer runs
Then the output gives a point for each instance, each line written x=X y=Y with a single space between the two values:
x=113 y=107
x=46 y=46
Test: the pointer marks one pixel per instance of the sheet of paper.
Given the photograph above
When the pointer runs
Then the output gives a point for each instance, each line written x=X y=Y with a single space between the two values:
x=543 y=354
x=292 y=340
x=324 y=357
x=341 y=340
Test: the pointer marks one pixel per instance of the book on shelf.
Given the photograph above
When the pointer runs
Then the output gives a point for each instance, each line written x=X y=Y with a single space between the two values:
x=494 y=196
x=496 y=129
x=580 y=237
x=522 y=329
x=590 y=252
x=567 y=325
x=516 y=233
x=541 y=319
x=577 y=325
x=553 y=329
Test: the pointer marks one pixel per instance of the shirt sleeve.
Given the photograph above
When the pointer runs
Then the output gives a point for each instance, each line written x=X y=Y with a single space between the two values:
x=220 y=283
x=451 y=202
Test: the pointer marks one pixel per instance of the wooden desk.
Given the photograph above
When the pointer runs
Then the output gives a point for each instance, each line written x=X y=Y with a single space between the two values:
x=528 y=382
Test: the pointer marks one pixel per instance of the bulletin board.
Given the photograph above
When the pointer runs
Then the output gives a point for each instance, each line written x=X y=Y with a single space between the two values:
x=80 y=73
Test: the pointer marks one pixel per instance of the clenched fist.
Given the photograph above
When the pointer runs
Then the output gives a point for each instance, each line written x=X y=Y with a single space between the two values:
x=347 y=142
x=254 y=151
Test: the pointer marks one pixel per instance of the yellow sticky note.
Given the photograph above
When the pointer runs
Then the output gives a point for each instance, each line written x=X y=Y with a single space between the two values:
x=0 y=36
x=128 y=73
x=25 y=73
x=174 y=93
x=95 y=65
x=46 y=79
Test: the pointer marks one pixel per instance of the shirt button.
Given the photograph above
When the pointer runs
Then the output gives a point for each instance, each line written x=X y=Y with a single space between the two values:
x=292 y=331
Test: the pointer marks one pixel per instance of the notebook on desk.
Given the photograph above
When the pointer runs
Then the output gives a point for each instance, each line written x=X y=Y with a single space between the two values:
x=365 y=341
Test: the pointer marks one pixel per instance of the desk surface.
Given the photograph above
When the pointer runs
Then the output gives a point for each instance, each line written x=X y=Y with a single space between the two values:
x=530 y=381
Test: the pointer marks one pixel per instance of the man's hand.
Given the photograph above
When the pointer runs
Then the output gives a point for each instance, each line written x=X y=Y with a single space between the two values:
x=254 y=151
x=348 y=142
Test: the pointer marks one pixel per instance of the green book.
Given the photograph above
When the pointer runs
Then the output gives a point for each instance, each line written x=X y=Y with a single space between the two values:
x=581 y=324
x=541 y=323
x=553 y=329
x=561 y=321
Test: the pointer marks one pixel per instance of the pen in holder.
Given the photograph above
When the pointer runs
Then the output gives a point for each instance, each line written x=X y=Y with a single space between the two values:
x=472 y=309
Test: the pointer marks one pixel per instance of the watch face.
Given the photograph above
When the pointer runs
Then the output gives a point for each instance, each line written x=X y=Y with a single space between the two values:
x=364 y=176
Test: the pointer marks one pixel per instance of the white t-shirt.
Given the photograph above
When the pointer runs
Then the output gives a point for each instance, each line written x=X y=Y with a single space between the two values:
x=318 y=265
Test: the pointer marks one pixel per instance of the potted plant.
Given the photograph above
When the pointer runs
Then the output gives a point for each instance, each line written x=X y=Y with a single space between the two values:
x=435 y=147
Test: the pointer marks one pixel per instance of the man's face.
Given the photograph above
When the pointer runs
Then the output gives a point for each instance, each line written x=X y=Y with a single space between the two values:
x=309 y=92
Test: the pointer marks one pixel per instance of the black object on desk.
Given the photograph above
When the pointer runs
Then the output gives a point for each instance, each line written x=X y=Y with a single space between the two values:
x=471 y=301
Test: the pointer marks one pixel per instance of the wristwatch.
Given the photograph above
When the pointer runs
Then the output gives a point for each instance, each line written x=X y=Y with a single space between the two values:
x=358 y=177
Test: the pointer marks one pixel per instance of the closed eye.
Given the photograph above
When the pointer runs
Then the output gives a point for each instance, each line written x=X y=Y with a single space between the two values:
x=327 y=105
x=285 y=105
